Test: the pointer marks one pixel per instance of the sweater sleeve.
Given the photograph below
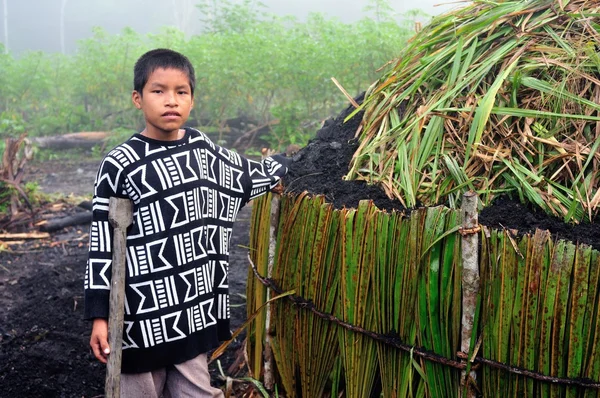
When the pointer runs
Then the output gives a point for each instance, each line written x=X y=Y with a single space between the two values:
x=109 y=182
x=265 y=175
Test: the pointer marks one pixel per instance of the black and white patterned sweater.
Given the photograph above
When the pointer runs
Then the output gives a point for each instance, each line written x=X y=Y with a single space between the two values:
x=186 y=195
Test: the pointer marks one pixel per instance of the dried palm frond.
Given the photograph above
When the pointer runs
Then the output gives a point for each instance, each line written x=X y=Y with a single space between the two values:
x=497 y=97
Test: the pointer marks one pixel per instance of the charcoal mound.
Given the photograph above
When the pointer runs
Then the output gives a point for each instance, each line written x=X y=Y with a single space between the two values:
x=319 y=169
x=509 y=213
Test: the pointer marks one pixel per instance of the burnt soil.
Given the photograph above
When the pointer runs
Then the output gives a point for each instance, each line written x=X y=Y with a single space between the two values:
x=43 y=339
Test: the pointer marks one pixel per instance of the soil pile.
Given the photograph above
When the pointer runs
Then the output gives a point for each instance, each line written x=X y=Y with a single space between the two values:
x=509 y=213
x=319 y=169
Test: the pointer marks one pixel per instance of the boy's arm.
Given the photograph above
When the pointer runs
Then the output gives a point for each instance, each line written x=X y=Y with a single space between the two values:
x=266 y=175
x=99 y=265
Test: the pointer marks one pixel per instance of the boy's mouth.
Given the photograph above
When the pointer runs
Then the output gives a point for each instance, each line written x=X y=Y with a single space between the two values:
x=171 y=113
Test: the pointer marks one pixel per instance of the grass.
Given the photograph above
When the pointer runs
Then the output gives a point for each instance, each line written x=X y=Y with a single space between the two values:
x=499 y=98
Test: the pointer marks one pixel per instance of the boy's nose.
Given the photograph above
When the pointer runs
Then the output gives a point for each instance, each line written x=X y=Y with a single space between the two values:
x=171 y=100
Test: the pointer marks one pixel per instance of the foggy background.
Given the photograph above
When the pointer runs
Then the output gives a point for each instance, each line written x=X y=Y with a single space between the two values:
x=36 y=24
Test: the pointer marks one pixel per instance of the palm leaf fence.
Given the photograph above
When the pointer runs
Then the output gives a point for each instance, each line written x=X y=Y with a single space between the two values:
x=496 y=97
x=378 y=302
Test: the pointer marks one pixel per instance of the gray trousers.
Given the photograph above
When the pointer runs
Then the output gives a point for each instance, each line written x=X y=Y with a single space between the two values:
x=187 y=379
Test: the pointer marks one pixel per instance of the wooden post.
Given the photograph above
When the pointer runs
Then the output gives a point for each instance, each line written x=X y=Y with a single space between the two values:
x=120 y=216
x=470 y=276
x=269 y=377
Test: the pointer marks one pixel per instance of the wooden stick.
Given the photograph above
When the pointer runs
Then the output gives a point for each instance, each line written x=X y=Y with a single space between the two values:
x=30 y=235
x=120 y=216
x=343 y=90
x=470 y=277
x=269 y=376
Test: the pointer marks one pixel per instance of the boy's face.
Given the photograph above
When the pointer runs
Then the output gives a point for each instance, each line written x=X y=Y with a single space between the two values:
x=166 y=101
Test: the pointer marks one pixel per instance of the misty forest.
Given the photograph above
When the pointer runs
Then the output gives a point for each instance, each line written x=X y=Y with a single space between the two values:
x=274 y=71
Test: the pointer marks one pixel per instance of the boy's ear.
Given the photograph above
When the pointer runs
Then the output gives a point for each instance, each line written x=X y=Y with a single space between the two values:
x=136 y=97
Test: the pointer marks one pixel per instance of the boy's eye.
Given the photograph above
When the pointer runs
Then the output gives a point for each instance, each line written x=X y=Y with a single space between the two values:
x=157 y=91
x=183 y=92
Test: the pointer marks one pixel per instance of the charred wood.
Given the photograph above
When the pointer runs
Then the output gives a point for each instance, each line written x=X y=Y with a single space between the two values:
x=60 y=223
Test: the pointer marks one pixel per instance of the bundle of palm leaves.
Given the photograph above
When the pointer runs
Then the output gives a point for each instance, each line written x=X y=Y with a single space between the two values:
x=497 y=97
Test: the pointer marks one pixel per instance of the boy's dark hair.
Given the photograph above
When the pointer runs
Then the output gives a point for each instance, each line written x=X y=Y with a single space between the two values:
x=161 y=58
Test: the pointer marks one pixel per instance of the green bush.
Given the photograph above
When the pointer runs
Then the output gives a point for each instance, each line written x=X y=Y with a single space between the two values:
x=248 y=63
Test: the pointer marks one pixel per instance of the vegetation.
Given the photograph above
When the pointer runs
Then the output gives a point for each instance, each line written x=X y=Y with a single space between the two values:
x=248 y=62
x=13 y=156
x=498 y=97
x=400 y=276
x=539 y=312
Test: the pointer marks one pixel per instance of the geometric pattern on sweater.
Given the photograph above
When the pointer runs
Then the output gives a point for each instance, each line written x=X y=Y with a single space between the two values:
x=186 y=195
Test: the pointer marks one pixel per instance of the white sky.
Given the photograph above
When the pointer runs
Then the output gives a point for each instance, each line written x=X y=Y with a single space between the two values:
x=34 y=24
x=351 y=10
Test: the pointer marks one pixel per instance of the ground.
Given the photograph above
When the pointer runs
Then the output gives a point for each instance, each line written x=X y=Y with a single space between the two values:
x=44 y=349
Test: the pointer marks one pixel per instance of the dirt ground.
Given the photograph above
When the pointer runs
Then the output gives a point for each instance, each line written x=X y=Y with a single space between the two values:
x=43 y=339
x=44 y=349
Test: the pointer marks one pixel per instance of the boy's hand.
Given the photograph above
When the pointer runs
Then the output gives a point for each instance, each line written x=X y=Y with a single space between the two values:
x=99 y=339
x=278 y=189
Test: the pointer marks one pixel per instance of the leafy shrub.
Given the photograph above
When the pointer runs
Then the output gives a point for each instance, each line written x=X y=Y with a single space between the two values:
x=248 y=63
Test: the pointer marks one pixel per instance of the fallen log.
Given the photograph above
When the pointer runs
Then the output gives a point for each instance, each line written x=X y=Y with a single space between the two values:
x=86 y=204
x=60 y=223
x=83 y=140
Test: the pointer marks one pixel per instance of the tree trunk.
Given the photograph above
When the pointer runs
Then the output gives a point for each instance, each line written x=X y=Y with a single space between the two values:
x=62 y=26
x=82 y=140
x=5 y=2
x=182 y=11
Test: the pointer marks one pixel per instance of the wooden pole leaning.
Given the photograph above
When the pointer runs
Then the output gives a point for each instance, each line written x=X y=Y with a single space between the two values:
x=269 y=375
x=120 y=216
x=470 y=281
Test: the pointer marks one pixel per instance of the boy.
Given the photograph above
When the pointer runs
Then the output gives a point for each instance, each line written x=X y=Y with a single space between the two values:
x=186 y=193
